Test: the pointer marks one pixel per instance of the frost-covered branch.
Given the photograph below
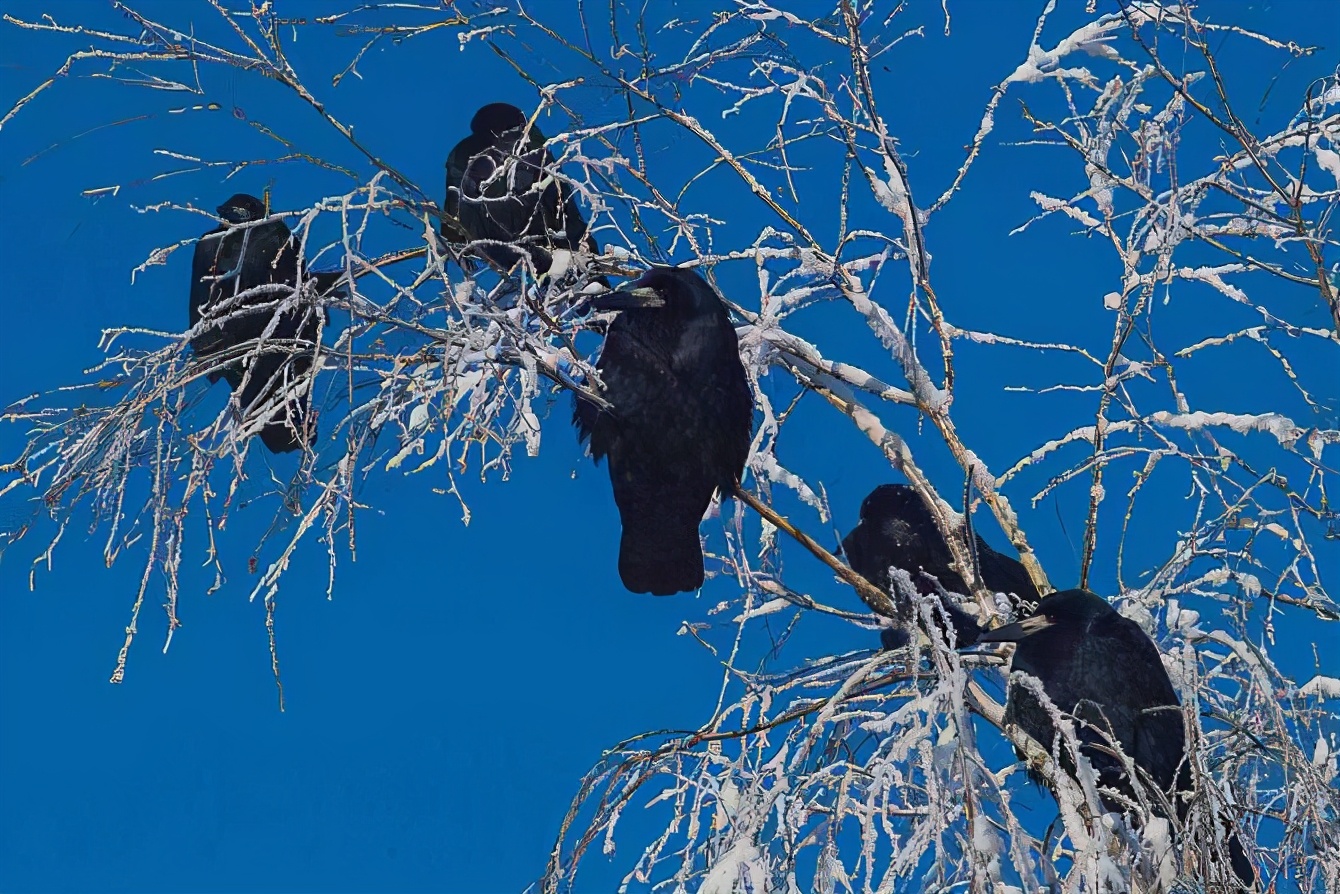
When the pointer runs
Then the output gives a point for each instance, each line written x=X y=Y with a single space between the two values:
x=861 y=771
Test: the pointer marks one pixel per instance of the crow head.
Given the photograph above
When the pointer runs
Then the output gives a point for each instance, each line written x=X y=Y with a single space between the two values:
x=893 y=499
x=1073 y=609
x=896 y=528
x=673 y=290
x=496 y=119
x=241 y=209
x=896 y=511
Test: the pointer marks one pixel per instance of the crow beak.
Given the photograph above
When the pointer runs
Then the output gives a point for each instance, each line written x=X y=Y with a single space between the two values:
x=642 y=296
x=1012 y=633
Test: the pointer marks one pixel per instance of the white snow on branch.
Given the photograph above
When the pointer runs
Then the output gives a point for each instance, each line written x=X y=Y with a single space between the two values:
x=1322 y=687
x=1093 y=39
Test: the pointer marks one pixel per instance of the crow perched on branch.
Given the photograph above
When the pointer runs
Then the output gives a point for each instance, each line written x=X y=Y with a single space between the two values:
x=897 y=530
x=680 y=424
x=236 y=272
x=502 y=188
x=1101 y=669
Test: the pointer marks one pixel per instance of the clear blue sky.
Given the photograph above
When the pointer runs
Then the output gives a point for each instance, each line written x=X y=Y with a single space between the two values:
x=442 y=708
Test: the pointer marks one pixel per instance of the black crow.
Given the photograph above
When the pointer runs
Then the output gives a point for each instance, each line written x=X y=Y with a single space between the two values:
x=680 y=424
x=232 y=259
x=1101 y=669
x=896 y=530
x=502 y=188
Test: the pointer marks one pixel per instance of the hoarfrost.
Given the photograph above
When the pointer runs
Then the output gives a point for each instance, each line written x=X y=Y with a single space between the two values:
x=863 y=763
x=1321 y=687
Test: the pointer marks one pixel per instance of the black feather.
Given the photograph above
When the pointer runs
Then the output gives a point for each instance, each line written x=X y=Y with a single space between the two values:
x=679 y=428
x=496 y=189
x=230 y=260
x=1100 y=668
x=896 y=530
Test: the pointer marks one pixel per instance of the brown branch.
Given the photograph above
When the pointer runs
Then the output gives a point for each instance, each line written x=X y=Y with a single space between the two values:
x=878 y=601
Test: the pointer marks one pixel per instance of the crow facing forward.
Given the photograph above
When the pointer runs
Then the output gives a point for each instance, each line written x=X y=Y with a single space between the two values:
x=502 y=189
x=238 y=269
x=896 y=530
